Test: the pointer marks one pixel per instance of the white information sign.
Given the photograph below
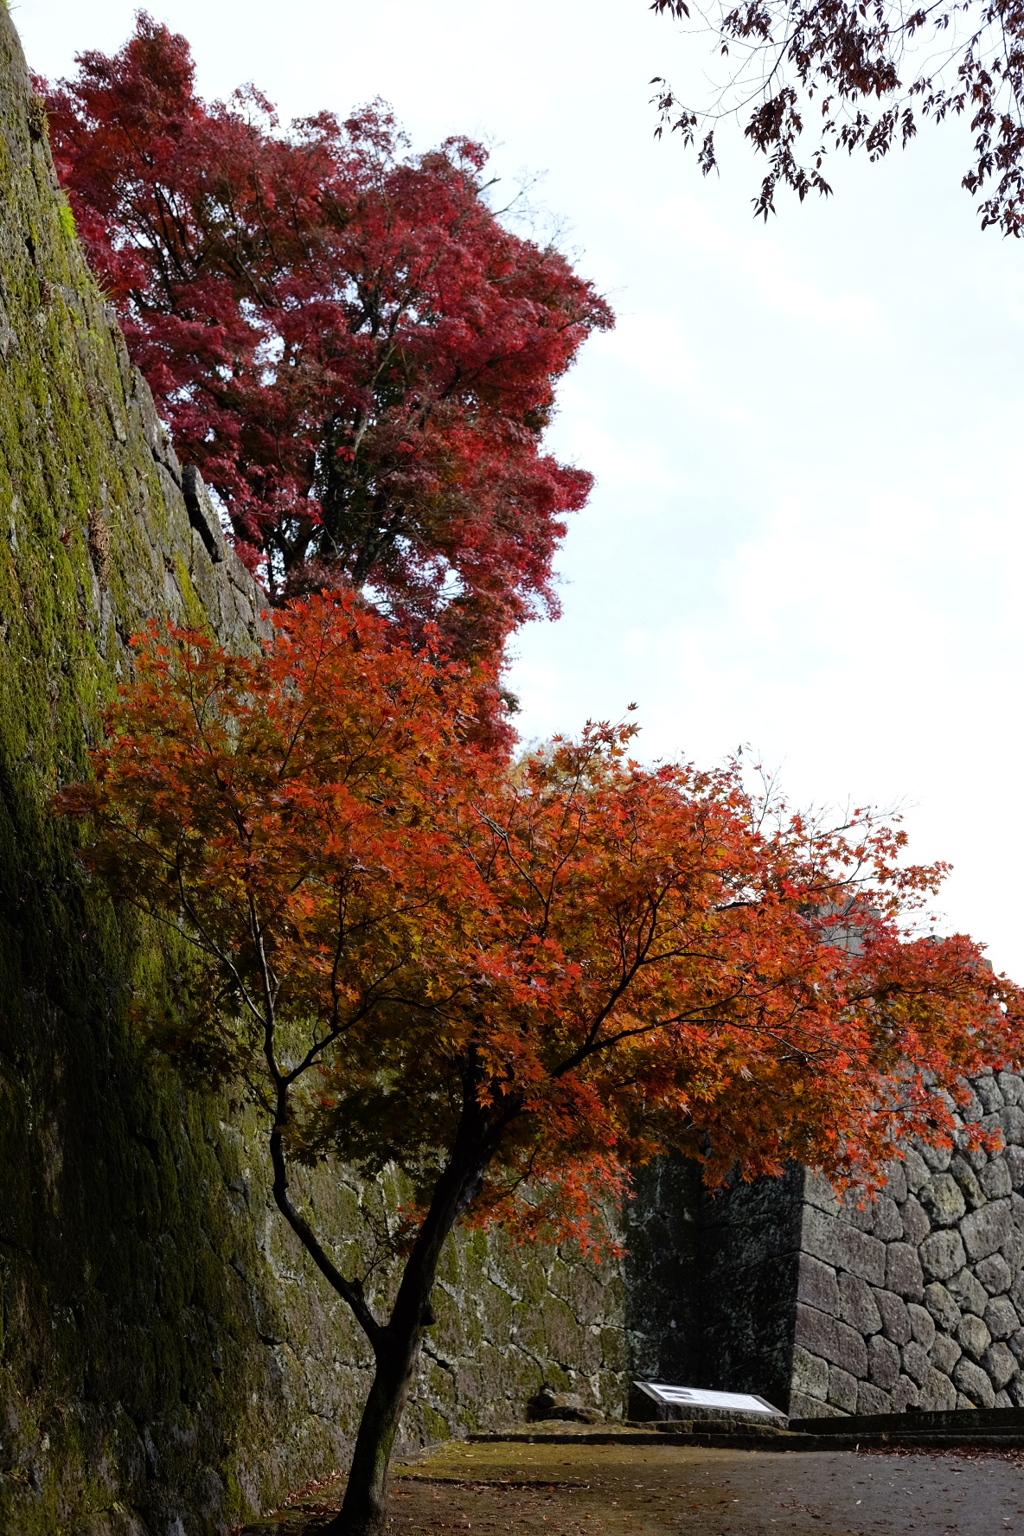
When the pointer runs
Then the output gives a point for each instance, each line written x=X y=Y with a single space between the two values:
x=700 y=1397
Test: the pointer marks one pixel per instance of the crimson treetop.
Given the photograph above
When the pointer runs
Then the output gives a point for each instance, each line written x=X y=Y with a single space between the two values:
x=346 y=341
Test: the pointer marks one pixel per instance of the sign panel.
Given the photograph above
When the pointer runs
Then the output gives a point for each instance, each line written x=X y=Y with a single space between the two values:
x=701 y=1397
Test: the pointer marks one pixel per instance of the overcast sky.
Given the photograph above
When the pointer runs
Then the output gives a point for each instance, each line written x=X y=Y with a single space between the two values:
x=806 y=530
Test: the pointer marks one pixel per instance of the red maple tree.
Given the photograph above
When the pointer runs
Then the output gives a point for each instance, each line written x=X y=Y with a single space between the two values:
x=510 y=981
x=350 y=346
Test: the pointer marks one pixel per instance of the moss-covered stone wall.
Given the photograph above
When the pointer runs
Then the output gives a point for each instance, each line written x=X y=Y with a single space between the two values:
x=168 y=1361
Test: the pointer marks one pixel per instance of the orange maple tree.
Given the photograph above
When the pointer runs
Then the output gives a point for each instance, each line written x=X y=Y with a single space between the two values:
x=510 y=980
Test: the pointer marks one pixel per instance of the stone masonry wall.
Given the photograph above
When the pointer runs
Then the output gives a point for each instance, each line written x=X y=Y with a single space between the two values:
x=169 y=1362
x=778 y=1287
x=917 y=1301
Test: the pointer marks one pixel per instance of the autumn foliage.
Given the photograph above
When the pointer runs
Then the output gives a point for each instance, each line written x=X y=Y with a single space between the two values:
x=511 y=980
x=827 y=75
x=356 y=353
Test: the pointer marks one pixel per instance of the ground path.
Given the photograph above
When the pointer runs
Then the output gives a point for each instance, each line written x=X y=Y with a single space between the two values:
x=643 y=1490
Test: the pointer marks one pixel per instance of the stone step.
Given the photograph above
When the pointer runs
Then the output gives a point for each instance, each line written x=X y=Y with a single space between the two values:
x=997 y=1429
x=973 y=1420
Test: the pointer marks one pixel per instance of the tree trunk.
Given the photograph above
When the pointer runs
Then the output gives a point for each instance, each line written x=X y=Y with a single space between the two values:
x=396 y=1348
x=364 y=1511
x=396 y=1351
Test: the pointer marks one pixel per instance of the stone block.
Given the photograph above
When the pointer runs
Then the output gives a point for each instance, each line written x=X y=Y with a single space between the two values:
x=895 y=1316
x=896 y=1180
x=816 y=1285
x=1017 y=1209
x=857 y=1305
x=995 y=1274
x=1015 y=1388
x=972 y=1382
x=851 y=1351
x=1001 y=1318
x=1013 y=1157
x=819 y=1192
x=887 y=1223
x=1011 y=1086
x=942 y=1254
x=803 y=1407
x=937 y=1393
x=905 y=1394
x=1003 y=1400
x=967 y=1179
x=985 y=1230
x=973 y=1336
x=903 y=1272
x=915 y=1361
x=967 y=1291
x=942 y=1199
x=871 y=1399
x=999 y=1365
x=857 y=1210
x=944 y=1353
x=922 y=1324
x=842 y=1389
x=815 y=1331
x=937 y=1158
x=995 y=1179
x=988 y=1092
x=916 y=1225
x=883 y=1362
x=1013 y=1250
x=942 y=1307
x=837 y=1243
x=1016 y=1344
x=976 y=1156
x=916 y=1170
x=809 y=1373
x=1011 y=1122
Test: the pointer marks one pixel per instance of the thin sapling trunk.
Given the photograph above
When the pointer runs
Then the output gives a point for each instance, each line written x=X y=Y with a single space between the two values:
x=396 y=1344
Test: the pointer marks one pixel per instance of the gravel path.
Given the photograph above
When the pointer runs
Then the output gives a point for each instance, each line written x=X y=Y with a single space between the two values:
x=593 y=1490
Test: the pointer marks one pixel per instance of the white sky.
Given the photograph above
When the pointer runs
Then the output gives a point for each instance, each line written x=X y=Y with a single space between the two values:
x=806 y=532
